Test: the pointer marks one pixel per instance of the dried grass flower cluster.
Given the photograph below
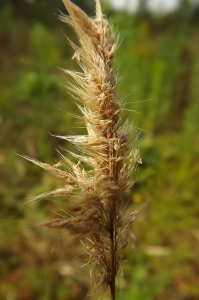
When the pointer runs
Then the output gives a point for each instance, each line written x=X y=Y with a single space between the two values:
x=95 y=195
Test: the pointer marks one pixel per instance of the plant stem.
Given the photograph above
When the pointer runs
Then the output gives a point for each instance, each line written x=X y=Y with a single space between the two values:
x=113 y=252
x=112 y=279
x=112 y=287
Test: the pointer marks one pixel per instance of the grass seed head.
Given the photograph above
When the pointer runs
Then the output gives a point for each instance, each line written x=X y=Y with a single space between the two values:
x=99 y=211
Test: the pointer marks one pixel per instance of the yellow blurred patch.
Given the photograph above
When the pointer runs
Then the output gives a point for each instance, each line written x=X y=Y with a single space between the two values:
x=145 y=49
x=137 y=198
x=143 y=29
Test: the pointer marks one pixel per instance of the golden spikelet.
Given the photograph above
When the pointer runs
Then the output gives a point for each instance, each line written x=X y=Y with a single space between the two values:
x=99 y=213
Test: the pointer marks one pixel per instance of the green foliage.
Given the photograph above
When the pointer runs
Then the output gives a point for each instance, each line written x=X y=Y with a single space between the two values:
x=144 y=285
x=155 y=60
x=41 y=10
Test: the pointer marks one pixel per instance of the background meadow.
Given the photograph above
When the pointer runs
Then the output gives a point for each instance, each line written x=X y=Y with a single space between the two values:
x=158 y=66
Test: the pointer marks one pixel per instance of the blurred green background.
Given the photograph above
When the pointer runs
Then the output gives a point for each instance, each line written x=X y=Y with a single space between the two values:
x=158 y=62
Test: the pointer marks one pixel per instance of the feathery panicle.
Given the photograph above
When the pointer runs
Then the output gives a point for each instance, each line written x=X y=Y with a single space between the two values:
x=99 y=212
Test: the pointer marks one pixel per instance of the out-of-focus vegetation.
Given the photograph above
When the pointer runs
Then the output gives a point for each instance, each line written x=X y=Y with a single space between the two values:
x=158 y=60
